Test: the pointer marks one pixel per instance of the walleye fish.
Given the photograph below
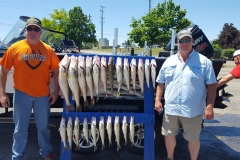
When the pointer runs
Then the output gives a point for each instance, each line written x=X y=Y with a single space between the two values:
x=147 y=73
x=102 y=131
x=119 y=74
x=117 y=131
x=132 y=130
x=70 y=132
x=133 y=66
x=104 y=75
x=63 y=81
x=110 y=73
x=124 y=128
x=82 y=79
x=94 y=132
x=73 y=81
x=85 y=130
x=96 y=66
x=76 y=135
x=126 y=73
x=141 y=74
x=62 y=130
x=89 y=78
x=109 y=130
x=153 y=71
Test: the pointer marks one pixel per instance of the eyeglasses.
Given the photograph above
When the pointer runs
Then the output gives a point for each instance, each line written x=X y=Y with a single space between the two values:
x=185 y=40
x=37 y=29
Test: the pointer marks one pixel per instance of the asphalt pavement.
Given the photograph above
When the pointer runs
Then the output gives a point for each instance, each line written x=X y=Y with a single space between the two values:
x=220 y=138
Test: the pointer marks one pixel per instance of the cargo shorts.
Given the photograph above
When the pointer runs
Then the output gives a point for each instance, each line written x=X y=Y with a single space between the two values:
x=191 y=126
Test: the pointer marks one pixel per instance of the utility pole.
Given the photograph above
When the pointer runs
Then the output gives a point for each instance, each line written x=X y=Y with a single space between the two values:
x=89 y=18
x=102 y=21
x=150 y=5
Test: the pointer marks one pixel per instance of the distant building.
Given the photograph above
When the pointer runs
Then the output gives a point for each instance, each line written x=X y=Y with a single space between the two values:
x=103 y=42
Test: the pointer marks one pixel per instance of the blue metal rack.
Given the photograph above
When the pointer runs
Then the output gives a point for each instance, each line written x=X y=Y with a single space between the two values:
x=147 y=117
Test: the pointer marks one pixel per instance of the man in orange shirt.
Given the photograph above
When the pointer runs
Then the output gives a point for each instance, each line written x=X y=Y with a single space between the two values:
x=32 y=60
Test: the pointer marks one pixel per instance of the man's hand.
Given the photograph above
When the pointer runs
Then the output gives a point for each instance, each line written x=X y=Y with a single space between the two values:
x=53 y=97
x=4 y=99
x=208 y=113
x=158 y=106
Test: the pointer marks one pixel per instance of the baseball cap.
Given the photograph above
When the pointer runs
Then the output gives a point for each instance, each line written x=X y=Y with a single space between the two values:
x=236 y=53
x=34 y=21
x=184 y=33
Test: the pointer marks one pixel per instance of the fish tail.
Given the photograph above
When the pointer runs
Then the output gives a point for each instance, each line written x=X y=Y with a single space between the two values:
x=95 y=148
x=70 y=108
x=85 y=104
x=92 y=101
x=118 y=147
x=105 y=95
x=118 y=94
x=79 y=108
x=70 y=147
x=97 y=98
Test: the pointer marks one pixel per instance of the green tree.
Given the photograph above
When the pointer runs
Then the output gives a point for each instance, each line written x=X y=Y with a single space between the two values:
x=57 y=22
x=217 y=51
x=229 y=37
x=155 y=27
x=79 y=29
x=228 y=53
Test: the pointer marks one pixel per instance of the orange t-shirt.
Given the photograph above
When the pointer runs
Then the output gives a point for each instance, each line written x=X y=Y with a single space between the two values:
x=32 y=65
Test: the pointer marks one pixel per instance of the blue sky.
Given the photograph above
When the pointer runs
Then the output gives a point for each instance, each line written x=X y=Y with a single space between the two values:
x=209 y=15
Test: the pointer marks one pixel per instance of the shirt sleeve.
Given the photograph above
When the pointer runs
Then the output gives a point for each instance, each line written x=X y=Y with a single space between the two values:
x=7 y=59
x=236 y=71
x=210 y=77
x=54 y=60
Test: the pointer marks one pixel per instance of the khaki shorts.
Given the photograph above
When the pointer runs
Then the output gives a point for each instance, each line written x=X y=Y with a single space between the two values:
x=191 y=126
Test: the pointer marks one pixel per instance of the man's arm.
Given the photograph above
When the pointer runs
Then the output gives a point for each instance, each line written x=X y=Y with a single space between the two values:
x=159 y=93
x=225 y=80
x=211 y=95
x=55 y=93
x=4 y=99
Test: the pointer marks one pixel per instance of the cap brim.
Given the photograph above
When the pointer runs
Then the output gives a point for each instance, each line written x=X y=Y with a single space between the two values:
x=184 y=36
x=33 y=25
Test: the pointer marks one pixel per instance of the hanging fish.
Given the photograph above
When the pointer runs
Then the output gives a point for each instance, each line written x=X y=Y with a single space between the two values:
x=119 y=74
x=147 y=73
x=133 y=66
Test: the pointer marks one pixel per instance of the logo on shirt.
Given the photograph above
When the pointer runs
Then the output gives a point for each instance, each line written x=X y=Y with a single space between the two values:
x=33 y=57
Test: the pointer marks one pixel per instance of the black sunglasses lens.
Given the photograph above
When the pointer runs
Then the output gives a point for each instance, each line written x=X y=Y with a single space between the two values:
x=35 y=29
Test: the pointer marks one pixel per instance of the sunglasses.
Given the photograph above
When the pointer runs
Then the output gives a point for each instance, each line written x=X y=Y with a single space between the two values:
x=33 y=29
x=185 y=40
